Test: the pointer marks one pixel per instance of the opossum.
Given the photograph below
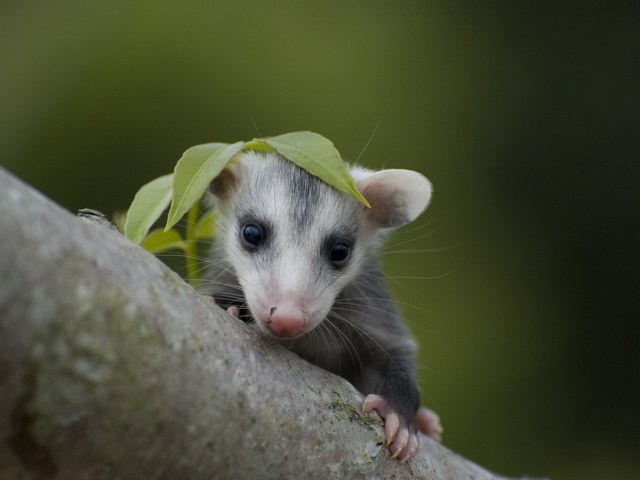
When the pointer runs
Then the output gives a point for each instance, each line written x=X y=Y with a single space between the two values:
x=299 y=260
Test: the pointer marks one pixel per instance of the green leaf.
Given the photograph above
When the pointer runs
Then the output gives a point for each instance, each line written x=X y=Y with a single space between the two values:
x=206 y=226
x=318 y=156
x=148 y=204
x=195 y=170
x=258 y=144
x=119 y=217
x=159 y=241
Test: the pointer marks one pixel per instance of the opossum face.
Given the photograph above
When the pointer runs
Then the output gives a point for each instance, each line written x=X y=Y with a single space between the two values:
x=294 y=242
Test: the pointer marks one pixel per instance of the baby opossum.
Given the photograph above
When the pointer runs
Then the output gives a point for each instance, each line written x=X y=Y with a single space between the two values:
x=298 y=258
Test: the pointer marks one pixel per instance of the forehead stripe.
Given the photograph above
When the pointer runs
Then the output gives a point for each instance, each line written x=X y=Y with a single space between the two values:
x=306 y=195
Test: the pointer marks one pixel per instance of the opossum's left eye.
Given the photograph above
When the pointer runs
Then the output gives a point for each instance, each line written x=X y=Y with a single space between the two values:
x=339 y=254
x=253 y=235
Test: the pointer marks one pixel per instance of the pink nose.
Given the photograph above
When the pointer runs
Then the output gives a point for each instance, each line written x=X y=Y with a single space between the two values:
x=287 y=319
x=285 y=325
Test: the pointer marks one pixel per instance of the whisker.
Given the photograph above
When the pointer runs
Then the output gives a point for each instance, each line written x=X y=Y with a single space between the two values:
x=368 y=142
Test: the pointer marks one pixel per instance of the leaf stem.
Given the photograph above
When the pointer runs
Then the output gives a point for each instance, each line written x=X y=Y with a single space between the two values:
x=191 y=243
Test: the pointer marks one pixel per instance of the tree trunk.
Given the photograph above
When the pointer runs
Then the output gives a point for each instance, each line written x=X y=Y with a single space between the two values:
x=112 y=367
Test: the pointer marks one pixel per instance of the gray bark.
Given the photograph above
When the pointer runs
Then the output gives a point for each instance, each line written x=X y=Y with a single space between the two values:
x=112 y=367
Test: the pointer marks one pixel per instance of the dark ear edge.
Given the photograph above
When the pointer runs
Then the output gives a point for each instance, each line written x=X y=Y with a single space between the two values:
x=223 y=184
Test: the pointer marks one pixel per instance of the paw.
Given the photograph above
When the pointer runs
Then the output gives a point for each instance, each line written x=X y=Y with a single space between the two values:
x=400 y=437
x=233 y=311
x=428 y=423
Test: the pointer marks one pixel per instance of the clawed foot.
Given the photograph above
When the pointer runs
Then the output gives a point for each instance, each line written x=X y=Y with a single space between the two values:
x=401 y=438
x=428 y=423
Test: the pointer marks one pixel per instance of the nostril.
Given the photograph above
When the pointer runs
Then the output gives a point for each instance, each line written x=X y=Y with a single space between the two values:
x=273 y=309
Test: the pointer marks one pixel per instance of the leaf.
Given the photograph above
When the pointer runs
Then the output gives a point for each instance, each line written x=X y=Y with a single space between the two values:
x=318 y=156
x=195 y=170
x=148 y=204
x=119 y=217
x=206 y=226
x=159 y=241
x=259 y=145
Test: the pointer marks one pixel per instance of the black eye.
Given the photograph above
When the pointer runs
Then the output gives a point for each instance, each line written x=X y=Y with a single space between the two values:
x=252 y=234
x=339 y=253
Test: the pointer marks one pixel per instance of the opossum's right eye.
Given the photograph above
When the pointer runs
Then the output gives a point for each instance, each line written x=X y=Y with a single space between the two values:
x=253 y=235
x=339 y=254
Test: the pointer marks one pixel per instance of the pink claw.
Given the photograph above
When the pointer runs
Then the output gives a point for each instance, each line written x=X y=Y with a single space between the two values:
x=414 y=446
x=402 y=443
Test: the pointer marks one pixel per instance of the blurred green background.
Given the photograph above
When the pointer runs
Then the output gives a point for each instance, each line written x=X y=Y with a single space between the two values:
x=521 y=279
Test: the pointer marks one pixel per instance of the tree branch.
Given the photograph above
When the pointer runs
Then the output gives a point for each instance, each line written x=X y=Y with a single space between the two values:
x=112 y=367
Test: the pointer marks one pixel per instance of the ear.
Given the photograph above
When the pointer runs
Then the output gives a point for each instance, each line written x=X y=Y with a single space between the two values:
x=227 y=179
x=396 y=197
x=223 y=183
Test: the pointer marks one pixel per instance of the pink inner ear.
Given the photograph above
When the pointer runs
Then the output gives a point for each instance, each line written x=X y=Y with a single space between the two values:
x=396 y=196
x=387 y=204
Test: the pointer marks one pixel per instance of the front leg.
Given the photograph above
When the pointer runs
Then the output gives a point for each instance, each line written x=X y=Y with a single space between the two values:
x=397 y=403
x=399 y=433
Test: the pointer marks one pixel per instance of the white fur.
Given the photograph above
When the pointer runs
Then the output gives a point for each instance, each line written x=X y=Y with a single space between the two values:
x=294 y=271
